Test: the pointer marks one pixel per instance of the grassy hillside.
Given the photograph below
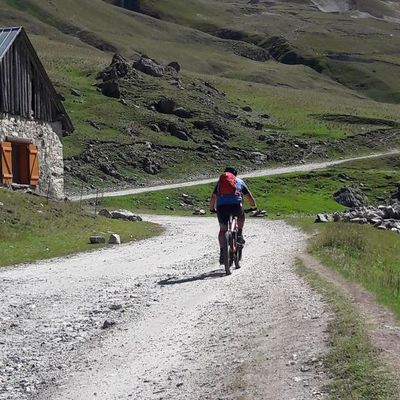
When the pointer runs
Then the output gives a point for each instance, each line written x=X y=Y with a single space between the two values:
x=32 y=229
x=315 y=93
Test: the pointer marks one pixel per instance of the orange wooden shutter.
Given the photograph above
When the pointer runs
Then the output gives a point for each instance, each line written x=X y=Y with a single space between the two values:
x=33 y=165
x=6 y=163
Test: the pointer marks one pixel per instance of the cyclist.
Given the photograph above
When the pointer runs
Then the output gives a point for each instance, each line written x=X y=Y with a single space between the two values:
x=227 y=200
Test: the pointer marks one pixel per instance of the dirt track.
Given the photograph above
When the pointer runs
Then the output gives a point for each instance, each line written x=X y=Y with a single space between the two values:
x=252 y=174
x=183 y=330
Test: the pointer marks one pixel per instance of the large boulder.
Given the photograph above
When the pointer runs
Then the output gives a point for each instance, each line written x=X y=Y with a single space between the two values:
x=350 y=197
x=165 y=106
x=111 y=89
x=149 y=67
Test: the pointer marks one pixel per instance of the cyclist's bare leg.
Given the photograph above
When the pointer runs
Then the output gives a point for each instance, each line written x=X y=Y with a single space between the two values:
x=241 y=220
x=221 y=235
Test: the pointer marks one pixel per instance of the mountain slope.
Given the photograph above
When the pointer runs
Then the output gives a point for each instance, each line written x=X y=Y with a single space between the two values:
x=263 y=83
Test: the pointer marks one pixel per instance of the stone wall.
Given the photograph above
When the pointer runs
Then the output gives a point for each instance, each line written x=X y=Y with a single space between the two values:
x=47 y=138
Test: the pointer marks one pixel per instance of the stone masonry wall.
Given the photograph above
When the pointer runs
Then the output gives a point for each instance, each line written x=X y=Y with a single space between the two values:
x=44 y=136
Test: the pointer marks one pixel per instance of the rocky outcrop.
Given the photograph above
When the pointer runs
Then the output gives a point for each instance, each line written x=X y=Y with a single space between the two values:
x=149 y=66
x=110 y=76
x=381 y=217
x=284 y=52
x=120 y=214
x=350 y=197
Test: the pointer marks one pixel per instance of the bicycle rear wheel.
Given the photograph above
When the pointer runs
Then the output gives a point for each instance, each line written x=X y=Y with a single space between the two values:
x=227 y=253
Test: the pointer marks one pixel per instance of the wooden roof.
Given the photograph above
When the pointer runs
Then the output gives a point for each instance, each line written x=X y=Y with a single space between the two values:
x=8 y=37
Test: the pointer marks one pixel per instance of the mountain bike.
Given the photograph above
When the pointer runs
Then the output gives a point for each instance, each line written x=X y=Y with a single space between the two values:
x=232 y=249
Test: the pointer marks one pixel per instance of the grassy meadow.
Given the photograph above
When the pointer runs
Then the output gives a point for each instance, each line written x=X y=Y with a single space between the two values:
x=364 y=255
x=32 y=229
x=289 y=195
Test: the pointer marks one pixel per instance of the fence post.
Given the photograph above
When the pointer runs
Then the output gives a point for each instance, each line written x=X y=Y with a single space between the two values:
x=95 y=203
x=80 y=201
x=48 y=192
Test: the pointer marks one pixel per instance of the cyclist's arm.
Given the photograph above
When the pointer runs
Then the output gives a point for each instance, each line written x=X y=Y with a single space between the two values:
x=213 y=201
x=250 y=198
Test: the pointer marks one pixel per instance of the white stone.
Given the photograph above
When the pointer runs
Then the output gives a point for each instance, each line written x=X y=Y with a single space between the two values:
x=114 y=239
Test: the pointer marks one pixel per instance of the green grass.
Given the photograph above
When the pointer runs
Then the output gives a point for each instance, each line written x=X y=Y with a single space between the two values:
x=364 y=255
x=353 y=365
x=287 y=195
x=32 y=230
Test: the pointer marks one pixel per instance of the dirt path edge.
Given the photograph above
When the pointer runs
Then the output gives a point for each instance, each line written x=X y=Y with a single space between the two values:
x=384 y=327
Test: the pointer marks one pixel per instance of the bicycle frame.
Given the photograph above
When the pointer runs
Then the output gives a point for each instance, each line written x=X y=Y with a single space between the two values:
x=233 y=251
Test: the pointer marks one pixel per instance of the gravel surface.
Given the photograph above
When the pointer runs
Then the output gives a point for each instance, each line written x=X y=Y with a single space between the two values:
x=252 y=174
x=158 y=319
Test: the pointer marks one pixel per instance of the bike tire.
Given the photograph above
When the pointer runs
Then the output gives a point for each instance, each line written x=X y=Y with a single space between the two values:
x=238 y=257
x=227 y=253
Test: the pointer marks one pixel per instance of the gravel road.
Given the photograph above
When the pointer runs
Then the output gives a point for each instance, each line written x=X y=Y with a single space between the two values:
x=180 y=329
x=251 y=174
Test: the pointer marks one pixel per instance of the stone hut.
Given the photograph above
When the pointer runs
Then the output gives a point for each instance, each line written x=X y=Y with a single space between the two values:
x=32 y=119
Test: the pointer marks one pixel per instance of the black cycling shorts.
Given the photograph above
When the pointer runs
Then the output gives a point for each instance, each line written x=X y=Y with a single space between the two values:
x=226 y=210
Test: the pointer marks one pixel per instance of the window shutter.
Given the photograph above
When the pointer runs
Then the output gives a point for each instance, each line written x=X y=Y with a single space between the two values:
x=6 y=163
x=33 y=165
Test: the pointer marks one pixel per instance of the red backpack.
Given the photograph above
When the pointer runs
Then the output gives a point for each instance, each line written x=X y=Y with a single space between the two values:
x=227 y=184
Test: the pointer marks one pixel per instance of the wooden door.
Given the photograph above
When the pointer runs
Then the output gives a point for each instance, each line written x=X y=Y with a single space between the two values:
x=6 y=163
x=33 y=165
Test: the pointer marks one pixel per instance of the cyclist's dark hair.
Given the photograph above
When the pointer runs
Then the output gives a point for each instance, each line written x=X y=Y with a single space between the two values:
x=231 y=170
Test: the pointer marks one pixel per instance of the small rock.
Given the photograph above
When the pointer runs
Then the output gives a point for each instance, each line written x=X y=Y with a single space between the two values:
x=199 y=211
x=107 y=324
x=155 y=128
x=174 y=65
x=322 y=218
x=115 y=307
x=75 y=92
x=247 y=109
x=258 y=214
x=114 y=239
x=105 y=213
x=97 y=239
x=94 y=125
x=182 y=113
x=165 y=106
x=180 y=135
